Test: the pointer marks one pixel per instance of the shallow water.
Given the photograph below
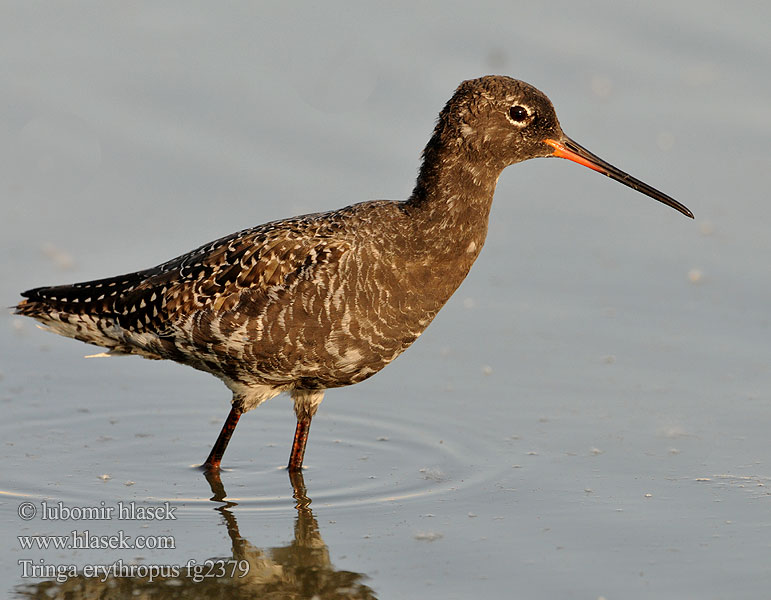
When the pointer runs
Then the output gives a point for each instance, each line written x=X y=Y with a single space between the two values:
x=588 y=417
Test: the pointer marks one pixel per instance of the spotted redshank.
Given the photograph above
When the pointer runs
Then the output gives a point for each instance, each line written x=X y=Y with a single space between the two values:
x=327 y=299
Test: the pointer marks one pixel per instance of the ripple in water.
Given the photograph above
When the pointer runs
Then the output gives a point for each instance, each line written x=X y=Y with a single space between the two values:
x=353 y=458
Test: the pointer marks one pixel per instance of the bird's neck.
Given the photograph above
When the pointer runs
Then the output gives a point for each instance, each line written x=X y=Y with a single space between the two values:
x=451 y=201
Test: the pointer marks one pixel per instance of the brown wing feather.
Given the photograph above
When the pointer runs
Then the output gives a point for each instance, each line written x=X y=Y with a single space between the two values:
x=262 y=261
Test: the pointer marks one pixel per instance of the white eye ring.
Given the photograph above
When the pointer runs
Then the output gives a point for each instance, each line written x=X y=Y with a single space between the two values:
x=519 y=115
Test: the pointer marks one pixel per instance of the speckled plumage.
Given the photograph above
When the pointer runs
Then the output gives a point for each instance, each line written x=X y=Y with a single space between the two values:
x=322 y=300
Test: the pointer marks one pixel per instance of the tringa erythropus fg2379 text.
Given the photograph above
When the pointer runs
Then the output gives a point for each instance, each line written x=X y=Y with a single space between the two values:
x=327 y=299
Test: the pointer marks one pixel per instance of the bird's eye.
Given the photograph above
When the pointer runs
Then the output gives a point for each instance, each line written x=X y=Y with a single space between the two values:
x=518 y=114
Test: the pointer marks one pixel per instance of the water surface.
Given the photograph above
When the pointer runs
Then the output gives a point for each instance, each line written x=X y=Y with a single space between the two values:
x=588 y=417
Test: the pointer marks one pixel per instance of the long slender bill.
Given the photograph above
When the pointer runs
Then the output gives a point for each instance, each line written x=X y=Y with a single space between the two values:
x=567 y=148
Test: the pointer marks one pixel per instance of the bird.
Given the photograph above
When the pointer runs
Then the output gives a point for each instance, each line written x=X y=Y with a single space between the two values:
x=326 y=300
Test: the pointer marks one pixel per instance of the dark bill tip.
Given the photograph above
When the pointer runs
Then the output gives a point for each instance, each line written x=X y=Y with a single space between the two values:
x=567 y=148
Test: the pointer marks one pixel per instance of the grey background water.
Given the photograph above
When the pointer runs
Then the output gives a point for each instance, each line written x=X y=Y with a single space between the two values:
x=589 y=415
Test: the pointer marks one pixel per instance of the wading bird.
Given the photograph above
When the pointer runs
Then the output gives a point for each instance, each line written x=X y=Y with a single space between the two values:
x=328 y=299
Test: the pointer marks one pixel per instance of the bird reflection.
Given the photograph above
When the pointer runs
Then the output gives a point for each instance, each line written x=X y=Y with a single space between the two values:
x=302 y=569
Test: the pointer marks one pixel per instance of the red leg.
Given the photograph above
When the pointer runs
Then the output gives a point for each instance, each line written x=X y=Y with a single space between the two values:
x=298 y=447
x=215 y=456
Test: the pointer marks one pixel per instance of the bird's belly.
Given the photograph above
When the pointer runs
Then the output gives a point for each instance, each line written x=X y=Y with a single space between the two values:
x=328 y=354
x=312 y=340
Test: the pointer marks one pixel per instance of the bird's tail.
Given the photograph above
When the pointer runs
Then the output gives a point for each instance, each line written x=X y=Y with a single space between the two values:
x=83 y=311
